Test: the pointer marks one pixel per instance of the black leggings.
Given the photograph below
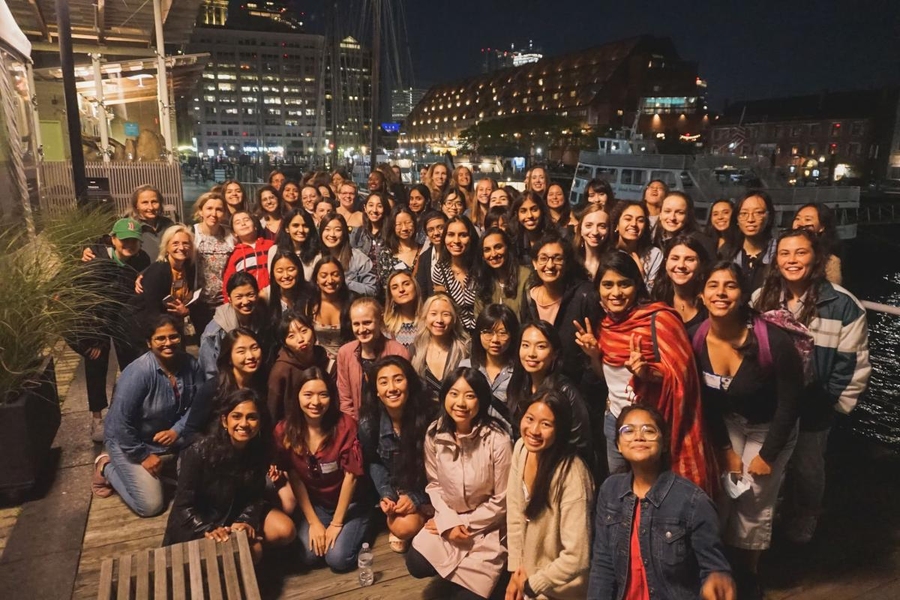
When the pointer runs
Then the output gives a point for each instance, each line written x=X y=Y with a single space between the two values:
x=419 y=567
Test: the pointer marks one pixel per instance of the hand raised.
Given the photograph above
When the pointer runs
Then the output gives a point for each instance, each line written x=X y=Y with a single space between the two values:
x=636 y=363
x=585 y=338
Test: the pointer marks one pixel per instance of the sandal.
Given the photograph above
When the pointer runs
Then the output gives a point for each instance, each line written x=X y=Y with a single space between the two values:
x=397 y=545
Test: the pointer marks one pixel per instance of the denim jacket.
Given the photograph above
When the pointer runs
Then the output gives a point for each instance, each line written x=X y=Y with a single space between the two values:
x=381 y=454
x=144 y=404
x=679 y=538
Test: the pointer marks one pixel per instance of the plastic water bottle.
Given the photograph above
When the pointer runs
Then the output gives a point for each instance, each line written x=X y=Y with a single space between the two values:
x=365 y=560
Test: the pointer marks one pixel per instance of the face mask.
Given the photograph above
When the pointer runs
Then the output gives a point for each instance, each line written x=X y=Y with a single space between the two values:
x=734 y=485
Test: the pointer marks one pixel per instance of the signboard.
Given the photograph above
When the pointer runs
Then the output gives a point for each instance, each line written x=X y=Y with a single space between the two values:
x=391 y=127
x=132 y=129
x=98 y=192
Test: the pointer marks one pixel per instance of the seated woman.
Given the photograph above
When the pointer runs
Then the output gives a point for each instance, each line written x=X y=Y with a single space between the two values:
x=148 y=419
x=680 y=281
x=169 y=283
x=501 y=278
x=548 y=506
x=243 y=310
x=440 y=344
x=392 y=426
x=463 y=542
x=317 y=445
x=329 y=306
x=355 y=358
x=335 y=238
x=403 y=302
x=654 y=530
x=222 y=482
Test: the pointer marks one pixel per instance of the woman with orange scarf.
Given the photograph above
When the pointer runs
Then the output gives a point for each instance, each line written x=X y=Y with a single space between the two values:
x=643 y=352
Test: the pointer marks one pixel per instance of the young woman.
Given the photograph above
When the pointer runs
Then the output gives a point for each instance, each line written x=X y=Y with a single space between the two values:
x=755 y=243
x=392 y=426
x=290 y=194
x=752 y=384
x=538 y=182
x=335 y=243
x=677 y=217
x=499 y=199
x=432 y=222
x=558 y=292
x=457 y=268
x=591 y=239
x=354 y=358
x=436 y=178
x=643 y=352
x=276 y=180
x=323 y=207
x=600 y=192
x=462 y=543
x=402 y=306
x=837 y=323
x=440 y=344
x=480 y=206
x=298 y=236
x=214 y=245
x=288 y=290
x=309 y=195
x=169 y=284
x=631 y=233
x=235 y=198
x=502 y=279
x=401 y=246
x=537 y=370
x=243 y=309
x=548 y=506
x=453 y=203
x=680 y=281
x=494 y=355
x=148 y=419
x=146 y=207
x=497 y=217
x=347 y=206
x=270 y=211
x=329 y=306
x=318 y=447
x=369 y=239
x=528 y=221
x=654 y=530
x=462 y=181
x=298 y=350
x=222 y=482
x=559 y=208
x=419 y=201
x=722 y=225
x=654 y=194
x=251 y=250
x=820 y=220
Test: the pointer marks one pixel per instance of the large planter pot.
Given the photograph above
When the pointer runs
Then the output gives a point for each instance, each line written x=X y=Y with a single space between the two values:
x=30 y=423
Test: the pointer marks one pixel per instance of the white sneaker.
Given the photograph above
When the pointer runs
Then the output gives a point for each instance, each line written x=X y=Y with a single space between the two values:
x=801 y=530
x=97 y=430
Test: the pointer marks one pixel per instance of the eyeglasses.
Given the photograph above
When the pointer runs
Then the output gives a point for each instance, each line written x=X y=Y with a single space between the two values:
x=489 y=333
x=557 y=260
x=648 y=432
x=161 y=339
x=756 y=214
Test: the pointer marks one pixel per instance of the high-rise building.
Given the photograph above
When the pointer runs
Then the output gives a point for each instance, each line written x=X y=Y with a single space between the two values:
x=263 y=87
x=348 y=95
x=403 y=101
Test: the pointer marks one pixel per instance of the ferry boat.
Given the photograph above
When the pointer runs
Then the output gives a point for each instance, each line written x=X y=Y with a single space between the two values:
x=628 y=163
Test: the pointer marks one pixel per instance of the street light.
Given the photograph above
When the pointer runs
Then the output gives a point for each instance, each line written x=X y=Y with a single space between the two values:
x=539 y=151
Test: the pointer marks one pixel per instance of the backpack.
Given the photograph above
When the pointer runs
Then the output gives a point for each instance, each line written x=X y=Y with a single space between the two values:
x=787 y=322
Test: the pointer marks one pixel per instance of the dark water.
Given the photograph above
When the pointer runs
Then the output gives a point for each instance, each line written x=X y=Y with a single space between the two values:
x=871 y=271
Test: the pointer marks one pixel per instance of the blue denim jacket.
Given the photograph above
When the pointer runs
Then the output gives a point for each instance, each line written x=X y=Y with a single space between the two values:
x=381 y=456
x=679 y=538
x=144 y=404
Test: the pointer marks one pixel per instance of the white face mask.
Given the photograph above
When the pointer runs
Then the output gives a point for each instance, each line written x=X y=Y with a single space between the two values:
x=734 y=485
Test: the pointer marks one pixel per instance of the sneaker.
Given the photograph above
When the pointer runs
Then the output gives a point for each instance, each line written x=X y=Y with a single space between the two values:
x=97 y=430
x=800 y=530
x=99 y=484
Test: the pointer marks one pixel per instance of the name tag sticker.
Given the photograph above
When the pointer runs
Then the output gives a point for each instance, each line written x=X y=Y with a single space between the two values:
x=329 y=467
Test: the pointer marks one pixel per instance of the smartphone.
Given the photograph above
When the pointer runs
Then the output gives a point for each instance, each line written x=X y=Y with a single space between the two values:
x=169 y=298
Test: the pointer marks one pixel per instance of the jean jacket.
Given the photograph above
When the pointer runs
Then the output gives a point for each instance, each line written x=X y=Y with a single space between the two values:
x=381 y=449
x=679 y=538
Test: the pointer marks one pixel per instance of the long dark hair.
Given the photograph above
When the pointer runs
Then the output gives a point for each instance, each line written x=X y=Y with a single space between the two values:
x=573 y=271
x=248 y=464
x=486 y=321
x=418 y=413
x=745 y=312
x=344 y=296
x=342 y=252
x=555 y=461
x=644 y=241
x=472 y=254
x=663 y=288
x=523 y=238
x=479 y=384
x=767 y=231
x=519 y=390
x=623 y=264
x=260 y=211
x=565 y=212
x=730 y=234
x=488 y=278
x=300 y=291
x=296 y=428
x=828 y=238
x=774 y=285
x=385 y=210
x=226 y=383
x=391 y=240
x=426 y=194
x=310 y=248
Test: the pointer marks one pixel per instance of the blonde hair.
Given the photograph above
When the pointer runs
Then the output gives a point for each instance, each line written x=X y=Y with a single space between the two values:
x=392 y=322
x=167 y=236
x=459 y=345
x=203 y=199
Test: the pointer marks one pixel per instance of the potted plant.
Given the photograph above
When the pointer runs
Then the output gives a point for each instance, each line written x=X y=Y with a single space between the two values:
x=44 y=298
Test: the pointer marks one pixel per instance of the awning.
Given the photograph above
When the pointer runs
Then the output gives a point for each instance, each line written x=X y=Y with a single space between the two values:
x=10 y=34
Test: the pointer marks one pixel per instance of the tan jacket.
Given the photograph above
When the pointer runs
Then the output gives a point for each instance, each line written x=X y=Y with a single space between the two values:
x=555 y=548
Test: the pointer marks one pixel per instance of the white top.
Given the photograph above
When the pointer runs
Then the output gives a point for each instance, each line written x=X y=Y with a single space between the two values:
x=618 y=380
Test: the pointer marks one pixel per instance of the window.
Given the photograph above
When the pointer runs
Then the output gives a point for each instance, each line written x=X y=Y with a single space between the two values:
x=857 y=128
x=855 y=149
x=796 y=131
x=835 y=129
x=666 y=176
x=633 y=177
x=795 y=150
x=812 y=150
x=815 y=130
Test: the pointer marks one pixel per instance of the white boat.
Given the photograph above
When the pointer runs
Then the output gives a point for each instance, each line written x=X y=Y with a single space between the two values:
x=629 y=163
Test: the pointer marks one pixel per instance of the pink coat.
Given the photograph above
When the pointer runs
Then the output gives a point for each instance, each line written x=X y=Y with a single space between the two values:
x=467 y=477
x=350 y=376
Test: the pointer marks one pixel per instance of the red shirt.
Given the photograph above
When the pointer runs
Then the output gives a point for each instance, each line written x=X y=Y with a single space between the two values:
x=636 y=587
x=323 y=472
x=252 y=259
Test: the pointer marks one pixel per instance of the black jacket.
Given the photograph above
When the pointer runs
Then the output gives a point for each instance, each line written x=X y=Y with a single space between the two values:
x=214 y=496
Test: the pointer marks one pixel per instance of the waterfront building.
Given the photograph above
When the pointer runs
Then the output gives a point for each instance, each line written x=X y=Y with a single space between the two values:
x=494 y=59
x=403 y=101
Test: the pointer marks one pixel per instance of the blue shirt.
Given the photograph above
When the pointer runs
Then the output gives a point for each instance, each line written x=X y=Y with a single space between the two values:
x=145 y=403
x=382 y=454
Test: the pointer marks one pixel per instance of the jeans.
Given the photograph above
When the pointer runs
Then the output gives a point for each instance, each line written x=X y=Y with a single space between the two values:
x=614 y=458
x=805 y=487
x=141 y=491
x=342 y=556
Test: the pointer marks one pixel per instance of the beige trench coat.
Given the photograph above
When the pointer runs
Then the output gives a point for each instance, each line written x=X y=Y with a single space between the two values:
x=467 y=478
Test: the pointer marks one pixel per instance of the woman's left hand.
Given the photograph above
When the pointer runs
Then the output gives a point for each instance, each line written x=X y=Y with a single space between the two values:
x=177 y=308
x=404 y=506
x=251 y=533
x=331 y=535
x=516 y=588
x=636 y=363
x=431 y=527
x=166 y=437
x=759 y=467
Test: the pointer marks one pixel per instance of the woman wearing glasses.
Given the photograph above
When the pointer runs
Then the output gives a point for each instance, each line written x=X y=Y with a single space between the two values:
x=755 y=243
x=654 y=530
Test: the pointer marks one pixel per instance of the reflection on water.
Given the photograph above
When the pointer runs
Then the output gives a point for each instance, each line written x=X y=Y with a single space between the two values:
x=872 y=272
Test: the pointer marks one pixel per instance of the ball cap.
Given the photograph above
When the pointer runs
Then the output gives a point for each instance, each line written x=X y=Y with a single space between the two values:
x=127 y=229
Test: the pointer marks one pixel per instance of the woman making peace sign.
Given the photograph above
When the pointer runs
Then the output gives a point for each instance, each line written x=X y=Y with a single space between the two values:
x=642 y=350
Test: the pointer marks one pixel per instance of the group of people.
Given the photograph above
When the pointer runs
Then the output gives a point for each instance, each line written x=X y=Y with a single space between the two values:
x=598 y=401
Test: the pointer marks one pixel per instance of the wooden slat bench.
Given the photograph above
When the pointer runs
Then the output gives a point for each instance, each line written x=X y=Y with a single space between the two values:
x=197 y=570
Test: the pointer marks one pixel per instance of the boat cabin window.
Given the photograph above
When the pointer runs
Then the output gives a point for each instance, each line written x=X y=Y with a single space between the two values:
x=633 y=177
x=667 y=177
x=686 y=180
x=608 y=173
x=584 y=172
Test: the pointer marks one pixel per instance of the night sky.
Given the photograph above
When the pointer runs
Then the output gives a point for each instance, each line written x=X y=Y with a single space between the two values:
x=745 y=49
